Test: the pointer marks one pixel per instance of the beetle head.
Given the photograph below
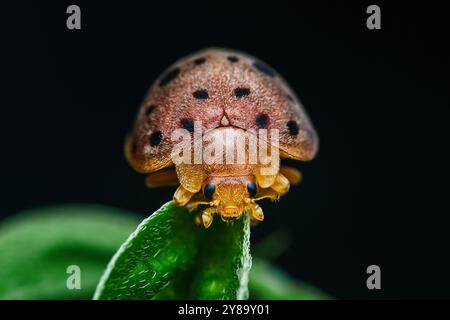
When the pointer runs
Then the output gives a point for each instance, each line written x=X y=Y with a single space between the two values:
x=230 y=195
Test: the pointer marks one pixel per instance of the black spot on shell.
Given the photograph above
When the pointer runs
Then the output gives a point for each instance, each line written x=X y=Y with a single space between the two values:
x=201 y=94
x=156 y=138
x=262 y=120
x=264 y=68
x=150 y=109
x=169 y=76
x=199 y=61
x=187 y=124
x=233 y=59
x=241 y=92
x=290 y=98
x=292 y=127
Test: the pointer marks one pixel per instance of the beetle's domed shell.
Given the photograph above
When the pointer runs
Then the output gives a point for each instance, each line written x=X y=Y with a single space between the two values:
x=217 y=86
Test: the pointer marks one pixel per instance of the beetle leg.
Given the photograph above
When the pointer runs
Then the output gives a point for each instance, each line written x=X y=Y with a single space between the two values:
x=199 y=199
x=255 y=211
x=163 y=178
x=281 y=184
x=191 y=206
x=207 y=216
x=264 y=181
x=292 y=174
x=266 y=171
x=182 y=196
x=191 y=176
x=266 y=194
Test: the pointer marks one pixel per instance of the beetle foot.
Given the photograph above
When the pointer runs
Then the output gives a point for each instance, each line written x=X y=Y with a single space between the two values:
x=207 y=216
x=256 y=212
x=281 y=184
x=182 y=196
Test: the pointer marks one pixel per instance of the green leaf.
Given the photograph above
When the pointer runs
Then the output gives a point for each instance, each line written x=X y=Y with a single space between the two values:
x=168 y=257
x=222 y=266
x=268 y=282
x=162 y=245
x=224 y=261
x=38 y=245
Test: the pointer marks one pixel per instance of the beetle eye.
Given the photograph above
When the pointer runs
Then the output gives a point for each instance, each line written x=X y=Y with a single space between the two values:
x=251 y=188
x=209 y=190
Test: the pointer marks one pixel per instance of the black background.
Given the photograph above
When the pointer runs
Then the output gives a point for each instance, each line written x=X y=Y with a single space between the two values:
x=377 y=192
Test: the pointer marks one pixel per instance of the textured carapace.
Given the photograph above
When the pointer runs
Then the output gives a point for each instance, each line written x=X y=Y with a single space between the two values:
x=219 y=88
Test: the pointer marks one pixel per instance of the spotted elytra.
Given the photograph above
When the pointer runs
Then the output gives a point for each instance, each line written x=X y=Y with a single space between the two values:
x=216 y=97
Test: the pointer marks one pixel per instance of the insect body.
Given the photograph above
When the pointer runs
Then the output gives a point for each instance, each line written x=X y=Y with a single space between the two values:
x=216 y=123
